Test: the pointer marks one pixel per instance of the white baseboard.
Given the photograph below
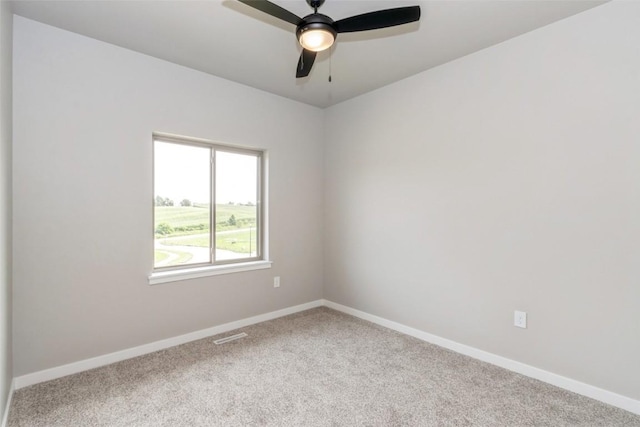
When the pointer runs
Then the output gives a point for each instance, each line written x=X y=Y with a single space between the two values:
x=578 y=387
x=5 y=416
x=593 y=392
x=96 y=362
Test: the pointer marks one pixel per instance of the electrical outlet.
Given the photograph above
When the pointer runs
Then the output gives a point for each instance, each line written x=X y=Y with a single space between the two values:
x=276 y=282
x=520 y=319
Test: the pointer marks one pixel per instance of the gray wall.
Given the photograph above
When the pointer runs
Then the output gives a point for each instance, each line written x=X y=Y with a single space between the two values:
x=84 y=112
x=6 y=37
x=508 y=179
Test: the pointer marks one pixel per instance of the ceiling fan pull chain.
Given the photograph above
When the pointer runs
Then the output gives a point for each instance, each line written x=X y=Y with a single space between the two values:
x=330 y=57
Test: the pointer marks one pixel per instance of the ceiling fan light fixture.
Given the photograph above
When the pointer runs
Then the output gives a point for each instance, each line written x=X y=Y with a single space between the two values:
x=316 y=40
x=316 y=37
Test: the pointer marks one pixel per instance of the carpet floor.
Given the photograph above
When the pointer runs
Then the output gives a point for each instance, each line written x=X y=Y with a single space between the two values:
x=315 y=368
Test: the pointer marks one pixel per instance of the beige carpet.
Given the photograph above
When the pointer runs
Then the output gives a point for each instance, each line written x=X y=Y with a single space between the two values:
x=316 y=368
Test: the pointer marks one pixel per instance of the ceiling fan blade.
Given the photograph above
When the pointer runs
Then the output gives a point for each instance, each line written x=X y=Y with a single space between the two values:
x=307 y=57
x=273 y=10
x=378 y=19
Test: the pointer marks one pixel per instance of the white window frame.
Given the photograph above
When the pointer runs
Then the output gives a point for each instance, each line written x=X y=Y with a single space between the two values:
x=192 y=271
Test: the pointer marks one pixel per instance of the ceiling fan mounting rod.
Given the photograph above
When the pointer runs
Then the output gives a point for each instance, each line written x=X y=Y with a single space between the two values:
x=315 y=4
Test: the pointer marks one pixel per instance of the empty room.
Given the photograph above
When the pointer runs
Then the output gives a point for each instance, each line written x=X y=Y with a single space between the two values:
x=319 y=213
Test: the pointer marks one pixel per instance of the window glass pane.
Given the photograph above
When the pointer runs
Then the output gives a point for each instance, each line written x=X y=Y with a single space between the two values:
x=182 y=204
x=237 y=233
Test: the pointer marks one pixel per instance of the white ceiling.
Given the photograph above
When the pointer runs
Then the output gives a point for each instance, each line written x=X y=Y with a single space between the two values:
x=233 y=41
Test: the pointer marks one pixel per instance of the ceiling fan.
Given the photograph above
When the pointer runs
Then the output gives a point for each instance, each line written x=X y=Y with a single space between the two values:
x=317 y=32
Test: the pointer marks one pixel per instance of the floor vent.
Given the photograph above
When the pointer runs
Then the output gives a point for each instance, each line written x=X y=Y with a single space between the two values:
x=230 y=338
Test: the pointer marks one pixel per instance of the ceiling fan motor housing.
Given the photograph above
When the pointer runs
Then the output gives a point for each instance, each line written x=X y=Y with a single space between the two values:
x=316 y=21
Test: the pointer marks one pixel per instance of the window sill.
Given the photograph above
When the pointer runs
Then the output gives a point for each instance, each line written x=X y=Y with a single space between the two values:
x=194 y=273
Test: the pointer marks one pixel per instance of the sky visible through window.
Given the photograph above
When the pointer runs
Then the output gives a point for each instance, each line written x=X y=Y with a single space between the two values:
x=182 y=172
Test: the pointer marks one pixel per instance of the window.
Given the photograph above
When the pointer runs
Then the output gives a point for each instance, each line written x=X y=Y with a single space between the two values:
x=207 y=204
